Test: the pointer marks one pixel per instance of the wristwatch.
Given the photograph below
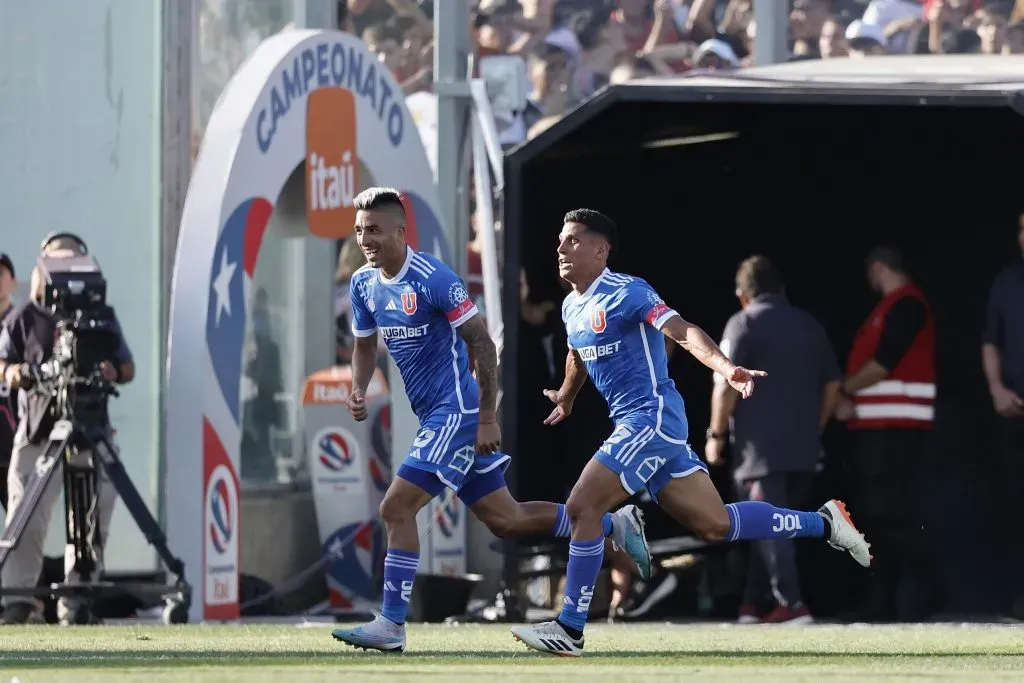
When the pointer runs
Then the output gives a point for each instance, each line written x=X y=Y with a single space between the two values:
x=712 y=435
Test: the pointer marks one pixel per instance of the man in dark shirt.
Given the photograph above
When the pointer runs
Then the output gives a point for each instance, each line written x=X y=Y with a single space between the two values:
x=1002 y=354
x=888 y=397
x=775 y=433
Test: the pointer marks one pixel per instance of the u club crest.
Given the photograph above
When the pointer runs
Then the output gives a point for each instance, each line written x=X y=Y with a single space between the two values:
x=598 y=320
x=409 y=302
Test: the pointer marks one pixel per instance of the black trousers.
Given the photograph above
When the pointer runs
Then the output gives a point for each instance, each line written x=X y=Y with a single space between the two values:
x=772 y=564
x=884 y=478
x=1009 y=491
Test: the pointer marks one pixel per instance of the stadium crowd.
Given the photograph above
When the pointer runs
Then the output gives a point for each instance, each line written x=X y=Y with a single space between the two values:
x=574 y=47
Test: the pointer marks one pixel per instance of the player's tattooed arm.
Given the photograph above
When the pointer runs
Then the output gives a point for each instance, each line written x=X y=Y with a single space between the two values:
x=474 y=333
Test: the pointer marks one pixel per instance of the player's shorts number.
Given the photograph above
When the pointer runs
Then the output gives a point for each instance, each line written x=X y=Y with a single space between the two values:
x=423 y=438
x=620 y=433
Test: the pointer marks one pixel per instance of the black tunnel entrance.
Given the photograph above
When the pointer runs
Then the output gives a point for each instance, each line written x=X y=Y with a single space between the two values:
x=699 y=181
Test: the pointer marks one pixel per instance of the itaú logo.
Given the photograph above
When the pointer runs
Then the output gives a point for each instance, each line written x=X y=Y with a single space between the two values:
x=332 y=162
x=331 y=187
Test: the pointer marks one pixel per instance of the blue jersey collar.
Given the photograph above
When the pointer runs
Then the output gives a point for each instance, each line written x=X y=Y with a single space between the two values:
x=594 y=285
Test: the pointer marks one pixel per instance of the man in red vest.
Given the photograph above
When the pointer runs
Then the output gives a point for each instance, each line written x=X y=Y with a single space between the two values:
x=888 y=401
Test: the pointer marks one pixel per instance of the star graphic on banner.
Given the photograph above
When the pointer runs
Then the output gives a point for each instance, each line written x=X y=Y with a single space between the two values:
x=221 y=284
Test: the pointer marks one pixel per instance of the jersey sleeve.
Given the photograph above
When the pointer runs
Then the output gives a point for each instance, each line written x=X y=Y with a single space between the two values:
x=363 y=323
x=645 y=303
x=448 y=293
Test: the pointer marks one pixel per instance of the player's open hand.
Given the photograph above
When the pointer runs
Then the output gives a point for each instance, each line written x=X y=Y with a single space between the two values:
x=488 y=438
x=563 y=407
x=356 y=405
x=742 y=380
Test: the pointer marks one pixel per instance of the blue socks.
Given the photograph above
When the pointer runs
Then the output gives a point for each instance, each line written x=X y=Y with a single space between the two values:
x=399 y=574
x=564 y=530
x=757 y=521
x=585 y=558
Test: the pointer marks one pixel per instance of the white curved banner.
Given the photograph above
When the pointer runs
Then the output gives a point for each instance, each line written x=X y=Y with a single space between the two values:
x=317 y=98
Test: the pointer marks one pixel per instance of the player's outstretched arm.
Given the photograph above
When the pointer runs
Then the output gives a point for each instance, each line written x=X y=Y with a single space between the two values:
x=364 y=362
x=703 y=348
x=565 y=396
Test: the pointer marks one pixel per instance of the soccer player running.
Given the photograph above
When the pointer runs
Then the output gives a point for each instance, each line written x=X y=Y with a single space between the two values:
x=612 y=321
x=423 y=312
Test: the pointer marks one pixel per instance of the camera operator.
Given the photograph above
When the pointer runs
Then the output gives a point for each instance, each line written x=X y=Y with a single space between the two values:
x=27 y=339
x=8 y=397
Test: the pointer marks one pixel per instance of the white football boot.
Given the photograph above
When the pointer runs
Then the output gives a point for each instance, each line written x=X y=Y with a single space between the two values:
x=380 y=634
x=548 y=637
x=844 y=534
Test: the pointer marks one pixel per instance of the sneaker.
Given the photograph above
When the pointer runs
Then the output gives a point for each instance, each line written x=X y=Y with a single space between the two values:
x=380 y=634
x=795 y=615
x=749 y=614
x=844 y=534
x=548 y=637
x=628 y=535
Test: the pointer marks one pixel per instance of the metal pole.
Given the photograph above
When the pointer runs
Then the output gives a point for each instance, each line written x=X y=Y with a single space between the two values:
x=179 y=51
x=451 y=55
x=315 y=13
x=771 y=41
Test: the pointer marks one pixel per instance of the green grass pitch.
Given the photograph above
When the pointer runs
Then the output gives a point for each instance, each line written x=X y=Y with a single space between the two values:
x=485 y=653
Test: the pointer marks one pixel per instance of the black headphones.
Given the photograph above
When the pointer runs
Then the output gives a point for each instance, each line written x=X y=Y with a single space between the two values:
x=83 y=249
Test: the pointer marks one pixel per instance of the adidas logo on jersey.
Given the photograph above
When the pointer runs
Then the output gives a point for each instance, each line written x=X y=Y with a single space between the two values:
x=391 y=306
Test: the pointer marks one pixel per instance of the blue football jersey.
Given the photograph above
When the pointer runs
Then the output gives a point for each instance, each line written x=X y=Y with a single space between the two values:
x=614 y=327
x=417 y=314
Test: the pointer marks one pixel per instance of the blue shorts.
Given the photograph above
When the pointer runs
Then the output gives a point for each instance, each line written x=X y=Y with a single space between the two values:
x=644 y=458
x=444 y=454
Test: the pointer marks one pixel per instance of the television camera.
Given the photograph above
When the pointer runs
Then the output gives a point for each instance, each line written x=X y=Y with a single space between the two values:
x=72 y=391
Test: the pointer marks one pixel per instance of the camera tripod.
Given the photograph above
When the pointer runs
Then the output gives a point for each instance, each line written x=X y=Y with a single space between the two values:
x=84 y=534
